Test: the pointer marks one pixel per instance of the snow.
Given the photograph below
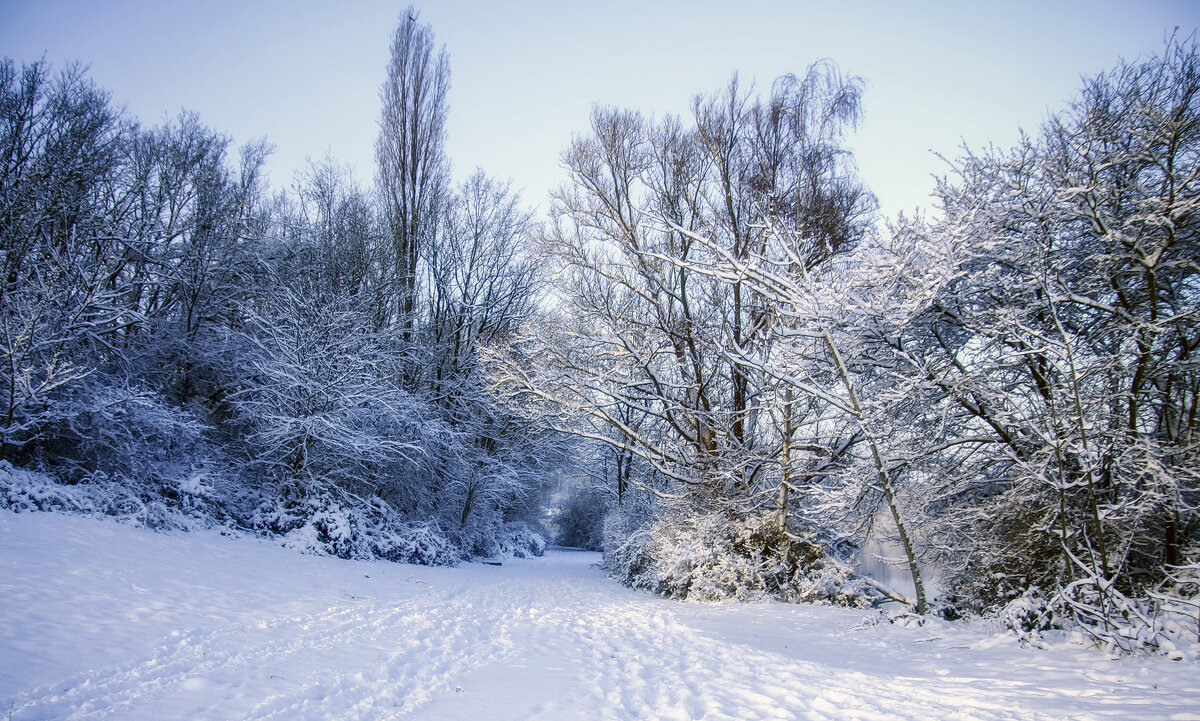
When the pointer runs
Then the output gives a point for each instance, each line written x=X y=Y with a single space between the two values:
x=106 y=621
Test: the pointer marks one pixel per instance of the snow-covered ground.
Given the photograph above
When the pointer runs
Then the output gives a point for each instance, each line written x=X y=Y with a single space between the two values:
x=104 y=621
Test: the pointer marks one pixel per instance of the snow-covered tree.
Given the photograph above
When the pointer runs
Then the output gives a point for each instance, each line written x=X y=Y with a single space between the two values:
x=60 y=146
x=646 y=349
x=844 y=416
x=1067 y=341
x=646 y=334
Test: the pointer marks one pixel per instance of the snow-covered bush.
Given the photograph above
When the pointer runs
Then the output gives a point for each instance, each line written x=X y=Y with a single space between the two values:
x=698 y=558
x=129 y=431
x=1125 y=624
x=489 y=534
x=1167 y=624
x=520 y=540
x=628 y=549
x=327 y=473
x=122 y=450
x=338 y=524
x=100 y=494
x=314 y=404
x=24 y=490
x=1028 y=615
x=714 y=557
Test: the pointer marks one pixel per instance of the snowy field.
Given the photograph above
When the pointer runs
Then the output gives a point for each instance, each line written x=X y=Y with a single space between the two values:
x=103 y=621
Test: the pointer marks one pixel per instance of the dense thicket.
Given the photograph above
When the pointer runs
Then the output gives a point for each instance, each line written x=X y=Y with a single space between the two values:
x=1063 y=353
x=179 y=346
x=1009 y=393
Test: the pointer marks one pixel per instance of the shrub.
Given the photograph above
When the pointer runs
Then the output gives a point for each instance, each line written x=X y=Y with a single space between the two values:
x=339 y=524
x=100 y=494
x=715 y=557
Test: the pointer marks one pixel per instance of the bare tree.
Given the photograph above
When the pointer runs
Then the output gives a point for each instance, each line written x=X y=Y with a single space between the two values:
x=339 y=236
x=482 y=278
x=651 y=346
x=412 y=169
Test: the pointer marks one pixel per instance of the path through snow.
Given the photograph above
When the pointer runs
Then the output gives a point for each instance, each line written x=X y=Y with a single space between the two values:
x=102 y=621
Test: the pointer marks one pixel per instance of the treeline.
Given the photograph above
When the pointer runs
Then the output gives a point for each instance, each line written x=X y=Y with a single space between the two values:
x=1008 y=391
x=183 y=346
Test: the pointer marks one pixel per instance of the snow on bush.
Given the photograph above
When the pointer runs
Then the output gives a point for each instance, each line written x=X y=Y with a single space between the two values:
x=122 y=450
x=340 y=524
x=1123 y=624
x=1088 y=612
x=713 y=557
x=698 y=559
x=324 y=524
x=103 y=495
x=491 y=536
x=1028 y=616
x=519 y=540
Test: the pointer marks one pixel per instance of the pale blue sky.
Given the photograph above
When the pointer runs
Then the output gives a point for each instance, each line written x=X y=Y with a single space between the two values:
x=525 y=74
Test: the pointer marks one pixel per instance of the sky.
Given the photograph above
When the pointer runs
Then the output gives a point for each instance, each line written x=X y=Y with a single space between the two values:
x=525 y=74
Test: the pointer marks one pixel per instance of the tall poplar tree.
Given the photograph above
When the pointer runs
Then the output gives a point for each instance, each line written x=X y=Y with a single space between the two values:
x=413 y=173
